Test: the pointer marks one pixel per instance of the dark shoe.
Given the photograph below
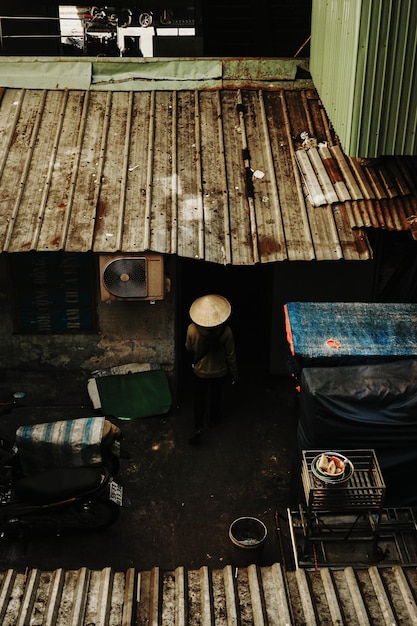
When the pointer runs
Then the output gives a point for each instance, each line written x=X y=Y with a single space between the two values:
x=196 y=437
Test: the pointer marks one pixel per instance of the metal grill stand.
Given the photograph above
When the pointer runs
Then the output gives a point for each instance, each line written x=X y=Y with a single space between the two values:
x=351 y=510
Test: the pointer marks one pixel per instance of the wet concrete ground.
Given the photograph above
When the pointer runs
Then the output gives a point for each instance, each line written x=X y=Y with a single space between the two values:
x=182 y=498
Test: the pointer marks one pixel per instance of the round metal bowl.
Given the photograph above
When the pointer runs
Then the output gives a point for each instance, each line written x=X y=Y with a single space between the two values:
x=332 y=479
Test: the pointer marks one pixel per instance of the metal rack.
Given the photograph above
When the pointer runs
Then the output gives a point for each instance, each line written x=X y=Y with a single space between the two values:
x=342 y=511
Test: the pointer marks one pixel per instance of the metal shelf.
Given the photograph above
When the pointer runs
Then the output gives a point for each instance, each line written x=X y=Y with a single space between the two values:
x=365 y=489
x=341 y=511
x=395 y=542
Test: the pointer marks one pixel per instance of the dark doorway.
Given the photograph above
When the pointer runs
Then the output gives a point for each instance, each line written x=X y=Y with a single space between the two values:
x=396 y=276
x=249 y=290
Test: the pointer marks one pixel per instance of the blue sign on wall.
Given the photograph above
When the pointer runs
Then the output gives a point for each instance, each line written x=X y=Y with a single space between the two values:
x=53 y=292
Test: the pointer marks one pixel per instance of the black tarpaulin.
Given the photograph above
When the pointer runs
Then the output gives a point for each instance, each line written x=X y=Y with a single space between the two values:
x=365 y=407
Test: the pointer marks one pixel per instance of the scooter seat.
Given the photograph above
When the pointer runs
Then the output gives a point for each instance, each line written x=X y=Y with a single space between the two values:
x=58 y=484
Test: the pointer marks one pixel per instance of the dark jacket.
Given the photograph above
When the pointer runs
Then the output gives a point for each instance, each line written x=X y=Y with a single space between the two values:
x=213 y=350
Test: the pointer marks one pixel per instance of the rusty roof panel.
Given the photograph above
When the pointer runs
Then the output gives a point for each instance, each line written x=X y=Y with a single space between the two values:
x=137 y=146
x=293 y=209
x=242 y=244
x=188 y=227
x=323 y=175
x=212 y=176
x=206 y=174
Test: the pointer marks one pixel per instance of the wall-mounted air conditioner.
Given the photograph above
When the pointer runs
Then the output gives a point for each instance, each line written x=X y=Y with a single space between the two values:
x=131 y=277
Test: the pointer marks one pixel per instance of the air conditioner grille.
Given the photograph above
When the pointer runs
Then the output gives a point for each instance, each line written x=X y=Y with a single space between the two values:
x=126 y=278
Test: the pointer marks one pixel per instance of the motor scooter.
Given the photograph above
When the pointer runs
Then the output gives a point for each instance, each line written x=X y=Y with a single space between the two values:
x=66 y=498
x=40 y=488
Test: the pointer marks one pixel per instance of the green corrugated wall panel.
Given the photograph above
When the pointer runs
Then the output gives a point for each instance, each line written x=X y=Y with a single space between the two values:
x=364 y=65
x=334 y=49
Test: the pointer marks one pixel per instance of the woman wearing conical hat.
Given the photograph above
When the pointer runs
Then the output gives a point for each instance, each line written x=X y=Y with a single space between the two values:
x=211 y=342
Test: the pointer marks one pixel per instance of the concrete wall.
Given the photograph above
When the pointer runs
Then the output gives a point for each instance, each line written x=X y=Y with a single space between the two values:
x=126 y=332
x=136 y=331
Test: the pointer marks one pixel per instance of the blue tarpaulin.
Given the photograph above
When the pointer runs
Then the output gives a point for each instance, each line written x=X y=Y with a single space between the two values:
x=347 y=333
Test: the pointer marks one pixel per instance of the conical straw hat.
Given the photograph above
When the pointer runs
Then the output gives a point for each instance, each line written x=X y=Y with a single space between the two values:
x=210 y=311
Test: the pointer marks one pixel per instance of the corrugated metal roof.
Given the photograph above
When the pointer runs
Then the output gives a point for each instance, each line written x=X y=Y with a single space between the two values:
x=253 y=595
x=331 y=177
x=363 y=63
x=206 y=174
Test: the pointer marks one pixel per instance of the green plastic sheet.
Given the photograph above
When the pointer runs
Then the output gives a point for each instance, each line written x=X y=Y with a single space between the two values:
x=133 y=396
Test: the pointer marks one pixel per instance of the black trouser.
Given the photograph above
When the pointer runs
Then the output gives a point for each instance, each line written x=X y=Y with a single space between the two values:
x=207 y=399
